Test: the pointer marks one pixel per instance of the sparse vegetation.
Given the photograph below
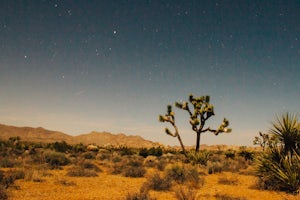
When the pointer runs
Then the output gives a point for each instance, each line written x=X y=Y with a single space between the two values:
x=157 y=182
x=56 y=159
x=165 y=171
x=278 y=167
x=184 y=193
x=78 y=171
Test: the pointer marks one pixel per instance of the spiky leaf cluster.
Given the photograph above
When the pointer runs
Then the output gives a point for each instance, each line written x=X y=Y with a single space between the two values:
x=223 y=127
x=202 y=111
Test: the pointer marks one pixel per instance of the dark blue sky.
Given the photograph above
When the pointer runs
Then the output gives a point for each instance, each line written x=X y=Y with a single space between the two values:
x=78 y=66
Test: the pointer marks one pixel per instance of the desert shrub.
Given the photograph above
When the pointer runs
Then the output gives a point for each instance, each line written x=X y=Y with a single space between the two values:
x=7 y=162
x=161 y=165
x=183 y=174
x=79 y=148
x=177 y=173
x=56 y=159
x=86 y=164
x=116 y=159
x=103 y=156
x=230 y=165
x=89 y=155
x=245 y=153
x=199 y=157
x=117 y=168
x=230 y=154
x=125 y=151
x=134 y=168
x=3 y=193
x=155 y=151
x=214 y=167
x=158 y=183
x=143 y=152
x=134 y=172
x=17 y=174
x=77 y=171
x=184 y=193
x=61 y=146
x=34 y=175
x=150 y=161
x=8 y=178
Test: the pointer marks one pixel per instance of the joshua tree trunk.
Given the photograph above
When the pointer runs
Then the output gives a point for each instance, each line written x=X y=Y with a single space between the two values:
x=198 y=142
x=180 y=141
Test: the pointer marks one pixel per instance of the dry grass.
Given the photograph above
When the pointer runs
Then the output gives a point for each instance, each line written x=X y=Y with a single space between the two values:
x=106 y=186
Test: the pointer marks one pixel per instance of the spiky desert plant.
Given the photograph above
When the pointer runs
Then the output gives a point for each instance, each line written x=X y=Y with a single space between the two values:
x=287 y=130
x=279 y=166
x=201 y=112
x=279 y=171
x=199 y=157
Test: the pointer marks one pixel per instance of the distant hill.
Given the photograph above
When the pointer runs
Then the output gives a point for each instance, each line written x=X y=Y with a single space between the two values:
x=99 y=138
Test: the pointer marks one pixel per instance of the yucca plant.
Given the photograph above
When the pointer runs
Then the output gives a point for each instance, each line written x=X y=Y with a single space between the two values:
x=287 y=130
x=278 y=171
x=279 y=166
x=199 y=158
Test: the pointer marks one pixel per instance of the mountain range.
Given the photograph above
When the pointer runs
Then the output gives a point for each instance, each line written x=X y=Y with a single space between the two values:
x=48 y=136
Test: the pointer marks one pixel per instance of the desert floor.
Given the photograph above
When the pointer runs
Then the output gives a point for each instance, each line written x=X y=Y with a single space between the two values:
x=56 y=185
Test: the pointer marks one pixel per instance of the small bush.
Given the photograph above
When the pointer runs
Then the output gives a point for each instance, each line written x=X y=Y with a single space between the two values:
x=161 y=165
x=77 y=171
x=86 y=164
x=103 y=155
x=134 y=168
x=56 y=159
x=176 y=173
x=61 y=146
x=151 y=161
x=134 y=172
x=183 y=193
x=125 y=151
x=246 y=154
x=184 y=174
x=17 y=174
x=143 y=152
x=155 y=151
x=3 y=193
x=199 y=157
x=89 y=155
x=230 y=154
x=214 y=167
x=158 y=183
x=6 y=162
x=230 y=165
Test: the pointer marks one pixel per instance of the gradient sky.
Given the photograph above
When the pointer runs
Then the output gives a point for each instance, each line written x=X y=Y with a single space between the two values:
x=79 y=66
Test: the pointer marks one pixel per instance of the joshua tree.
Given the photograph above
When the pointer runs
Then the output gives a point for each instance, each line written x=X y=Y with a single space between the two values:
x=202 y=111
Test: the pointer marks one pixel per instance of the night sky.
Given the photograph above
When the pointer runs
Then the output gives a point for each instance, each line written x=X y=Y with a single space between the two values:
x=79 y=66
